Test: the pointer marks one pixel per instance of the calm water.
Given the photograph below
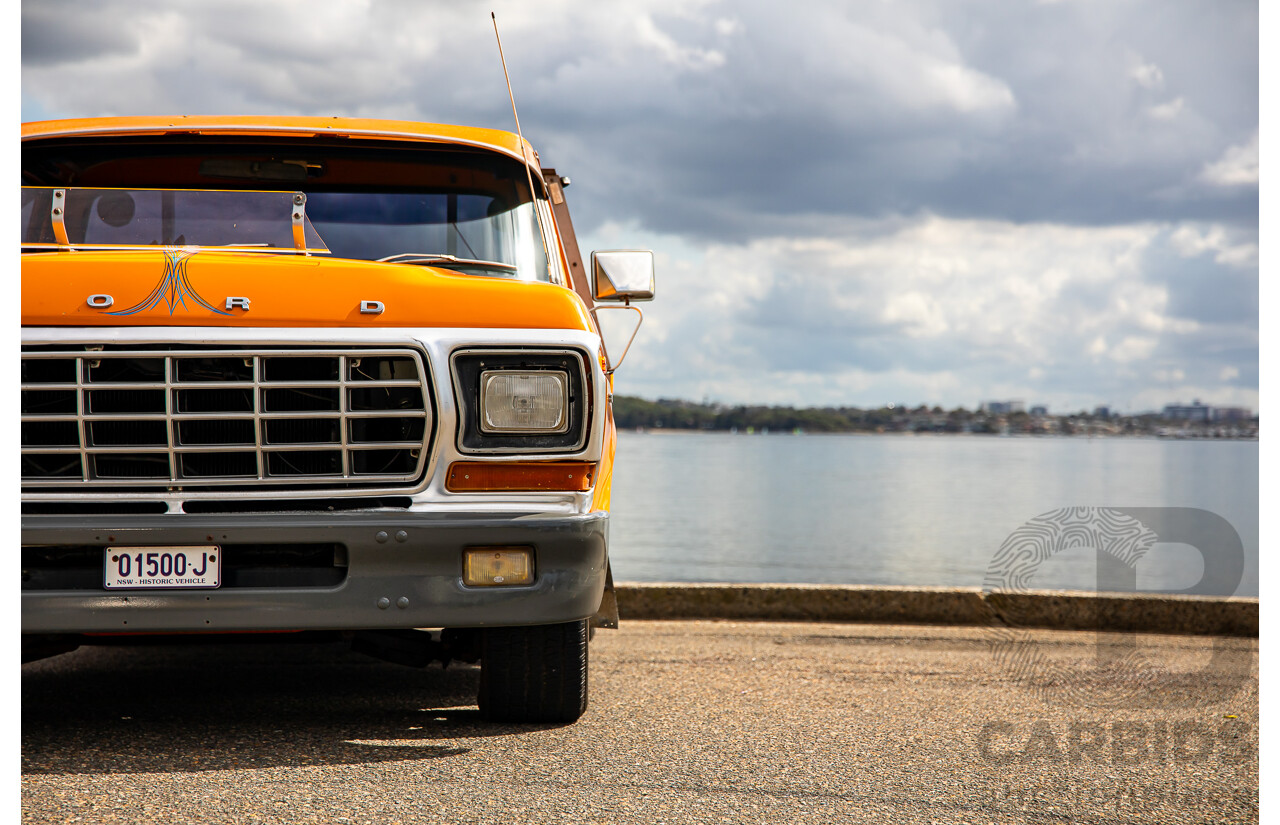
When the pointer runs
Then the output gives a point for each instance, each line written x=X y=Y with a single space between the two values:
x=905 y=510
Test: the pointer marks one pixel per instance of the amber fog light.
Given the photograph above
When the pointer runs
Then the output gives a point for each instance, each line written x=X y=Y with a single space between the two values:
x=497 y=566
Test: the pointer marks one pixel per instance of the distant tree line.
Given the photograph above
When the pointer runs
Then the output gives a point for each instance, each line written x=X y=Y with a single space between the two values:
x=631 y=413
x=637 y=413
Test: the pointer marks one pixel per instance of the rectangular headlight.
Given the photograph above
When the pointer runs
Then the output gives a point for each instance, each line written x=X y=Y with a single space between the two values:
x=516 y=401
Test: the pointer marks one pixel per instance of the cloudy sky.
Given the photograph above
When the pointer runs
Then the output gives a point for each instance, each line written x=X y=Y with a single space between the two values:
x=851 y=203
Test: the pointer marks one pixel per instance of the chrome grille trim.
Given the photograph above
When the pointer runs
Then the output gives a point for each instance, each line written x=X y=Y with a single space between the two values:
x=340 y=441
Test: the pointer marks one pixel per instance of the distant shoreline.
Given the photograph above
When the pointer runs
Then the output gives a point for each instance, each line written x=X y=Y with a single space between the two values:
x=933 y=434
x=673 y=415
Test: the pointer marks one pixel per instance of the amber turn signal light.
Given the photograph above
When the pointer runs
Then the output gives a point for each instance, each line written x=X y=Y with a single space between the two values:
x=519 y=476
x=497 y=566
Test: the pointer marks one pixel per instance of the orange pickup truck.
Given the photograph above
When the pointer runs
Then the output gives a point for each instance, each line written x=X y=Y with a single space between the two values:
x=320 y=376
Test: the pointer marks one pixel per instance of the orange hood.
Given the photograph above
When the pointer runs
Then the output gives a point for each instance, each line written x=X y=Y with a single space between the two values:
x=152 y=288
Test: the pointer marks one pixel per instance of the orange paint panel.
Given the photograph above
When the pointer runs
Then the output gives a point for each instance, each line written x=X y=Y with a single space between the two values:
x=282 y=291
x=604 y=478
x=370 y=128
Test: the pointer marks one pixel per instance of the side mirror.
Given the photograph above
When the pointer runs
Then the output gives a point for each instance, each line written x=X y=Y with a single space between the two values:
x=622 y=275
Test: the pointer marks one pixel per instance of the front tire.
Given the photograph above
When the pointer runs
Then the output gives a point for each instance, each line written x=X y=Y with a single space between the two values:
x=534 y=674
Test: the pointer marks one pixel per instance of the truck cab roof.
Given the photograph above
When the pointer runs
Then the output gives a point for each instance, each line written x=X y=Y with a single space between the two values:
x=300 y=127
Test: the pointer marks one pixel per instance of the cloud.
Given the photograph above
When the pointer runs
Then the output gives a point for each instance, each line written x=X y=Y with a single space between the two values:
x=724 y=119
x=648 y=35
x=1238 y=166
x=1230 y=247
x=53 y=34
x=936 y=310
x=1147 y=75
x=1169 y=110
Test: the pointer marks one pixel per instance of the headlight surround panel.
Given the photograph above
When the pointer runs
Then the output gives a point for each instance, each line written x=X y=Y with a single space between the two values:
x=475 y=370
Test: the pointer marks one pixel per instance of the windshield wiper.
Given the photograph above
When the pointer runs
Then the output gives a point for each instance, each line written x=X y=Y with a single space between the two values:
x=437 y=258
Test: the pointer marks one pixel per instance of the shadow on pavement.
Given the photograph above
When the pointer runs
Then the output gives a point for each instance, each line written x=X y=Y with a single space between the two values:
x=235 y=707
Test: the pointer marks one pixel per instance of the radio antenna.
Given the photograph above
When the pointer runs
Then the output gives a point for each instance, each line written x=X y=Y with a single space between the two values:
x=533 y=195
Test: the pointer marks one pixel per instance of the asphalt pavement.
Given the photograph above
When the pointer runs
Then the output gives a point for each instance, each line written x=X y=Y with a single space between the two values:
x=690 y=721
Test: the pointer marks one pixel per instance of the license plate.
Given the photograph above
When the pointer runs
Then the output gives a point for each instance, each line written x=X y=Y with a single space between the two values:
x=161 y=567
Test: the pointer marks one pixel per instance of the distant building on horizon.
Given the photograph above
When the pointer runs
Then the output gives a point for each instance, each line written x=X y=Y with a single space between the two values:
x=1039 y=409
x=1002 y=407
x=1232 y=414
x=1102 y=411
x=1195 y=412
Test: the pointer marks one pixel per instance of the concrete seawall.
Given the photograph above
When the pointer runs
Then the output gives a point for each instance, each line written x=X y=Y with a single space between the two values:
x=1061 y=610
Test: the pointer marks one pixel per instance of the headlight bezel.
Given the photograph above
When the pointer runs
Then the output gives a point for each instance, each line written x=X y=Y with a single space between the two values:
x=467 y=366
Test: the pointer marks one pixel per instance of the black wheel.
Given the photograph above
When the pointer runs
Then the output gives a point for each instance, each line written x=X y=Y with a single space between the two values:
x=534 y=674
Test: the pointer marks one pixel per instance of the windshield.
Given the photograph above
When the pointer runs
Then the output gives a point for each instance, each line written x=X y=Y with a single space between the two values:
x=477 y=233
x=490 y=233
x=104 y=218
x=463 y=208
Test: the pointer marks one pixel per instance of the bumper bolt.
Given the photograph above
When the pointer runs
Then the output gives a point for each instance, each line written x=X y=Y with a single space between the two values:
x=384 y=603
x=381 y=537
x=402 y=602
x=402 y=536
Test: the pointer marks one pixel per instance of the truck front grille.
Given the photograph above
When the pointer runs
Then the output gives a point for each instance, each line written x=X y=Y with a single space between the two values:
x=206 y=418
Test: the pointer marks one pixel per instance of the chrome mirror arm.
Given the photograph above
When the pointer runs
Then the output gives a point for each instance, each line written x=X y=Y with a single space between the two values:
x=612 y=366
